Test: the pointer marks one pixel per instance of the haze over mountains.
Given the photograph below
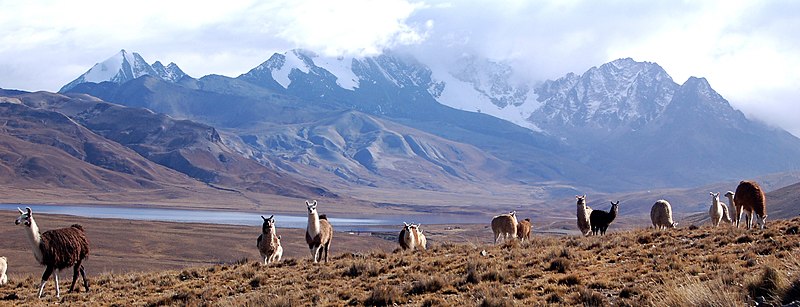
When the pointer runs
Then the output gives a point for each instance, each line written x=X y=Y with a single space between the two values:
x=301 y=124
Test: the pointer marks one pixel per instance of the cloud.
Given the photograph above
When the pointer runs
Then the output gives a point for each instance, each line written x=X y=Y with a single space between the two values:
x=748 y=50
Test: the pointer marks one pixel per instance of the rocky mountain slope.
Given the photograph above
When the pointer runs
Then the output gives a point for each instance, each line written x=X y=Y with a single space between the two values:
x=191 y=148
x=624 y=125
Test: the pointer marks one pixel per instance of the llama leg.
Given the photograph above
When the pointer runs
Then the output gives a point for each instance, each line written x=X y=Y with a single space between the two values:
x=316 y=252
x=327 y=247
x=45 y=277
x=58 y=289
x=75 y=270
x=85 y=282
x=749 y=219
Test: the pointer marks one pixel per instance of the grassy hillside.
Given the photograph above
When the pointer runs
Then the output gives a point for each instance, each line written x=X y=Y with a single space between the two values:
x=686 y=266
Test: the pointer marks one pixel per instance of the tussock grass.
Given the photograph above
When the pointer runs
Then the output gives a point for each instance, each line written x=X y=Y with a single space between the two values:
x=682 y=267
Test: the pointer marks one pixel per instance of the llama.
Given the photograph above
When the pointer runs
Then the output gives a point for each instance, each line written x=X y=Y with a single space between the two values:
x=524 y=230
x=600 y=219
x=421 y=240
x=715 y=212
x=504 y=226
x=750 y=198
x=318 y=233
x=57 y=249
x=661 y=215
x=268 y=242
x=411 y=237
x=726 y=216
x=583 y=215
x=3 y=268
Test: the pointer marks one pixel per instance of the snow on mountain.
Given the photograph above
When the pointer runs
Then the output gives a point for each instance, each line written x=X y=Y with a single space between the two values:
x=123 y=67
x=484 y=86
x=622 y=94
x=280 y=67
x=170 y=73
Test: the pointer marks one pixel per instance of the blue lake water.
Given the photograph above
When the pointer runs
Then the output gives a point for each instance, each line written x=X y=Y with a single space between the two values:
x=194 y=216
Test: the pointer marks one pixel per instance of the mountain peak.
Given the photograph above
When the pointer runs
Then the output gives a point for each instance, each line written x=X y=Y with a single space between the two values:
x=123 y=67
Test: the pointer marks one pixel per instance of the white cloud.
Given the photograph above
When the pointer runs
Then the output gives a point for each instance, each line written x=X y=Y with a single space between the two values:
x=748 y=50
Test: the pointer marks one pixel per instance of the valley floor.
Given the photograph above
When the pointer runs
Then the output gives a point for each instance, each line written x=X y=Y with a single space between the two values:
x=688 y=266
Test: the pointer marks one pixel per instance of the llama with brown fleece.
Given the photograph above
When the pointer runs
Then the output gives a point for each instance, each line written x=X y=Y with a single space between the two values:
x=268 y=242
x=57 y=249
x=3 y=268
x=504 y=226
x=319 y=233
x=524 y=230
x=584 y=211
x=749 y=199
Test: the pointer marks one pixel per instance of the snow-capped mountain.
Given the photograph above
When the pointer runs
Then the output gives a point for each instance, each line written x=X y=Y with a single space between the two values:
x=123 y=67
x=617 y=97
x=603 y=128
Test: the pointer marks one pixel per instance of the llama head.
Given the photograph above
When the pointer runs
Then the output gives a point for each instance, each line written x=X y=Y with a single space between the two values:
x=268 y=224
x=312 y=207
x=581 y=199
x=714 y=196
x=729 y=194
x=25 y=217
x=513 y=213
x=761 y=221
x=407 y=227
x=614 y=205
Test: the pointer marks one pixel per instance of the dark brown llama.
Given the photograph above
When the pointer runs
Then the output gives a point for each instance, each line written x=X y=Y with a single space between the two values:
x=749 y=198
x=57 y=249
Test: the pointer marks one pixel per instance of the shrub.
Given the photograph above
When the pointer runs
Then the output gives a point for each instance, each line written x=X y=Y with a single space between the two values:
x=384 y=295
x=570 y=280
x=712 y=293
x=771 y=285
x=560 y=265
x=427 y=285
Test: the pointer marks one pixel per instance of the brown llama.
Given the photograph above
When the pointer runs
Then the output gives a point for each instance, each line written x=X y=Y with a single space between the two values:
x=504 y=226
x=268 y=242
x=524 y=230
x=57 y=249
x=749 y=198
x=319 y=233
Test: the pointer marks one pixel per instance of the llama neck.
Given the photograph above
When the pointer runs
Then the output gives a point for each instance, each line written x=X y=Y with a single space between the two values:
x=730 y=201
x=313 y=224
x=35 y=239
x=410 y=239
x=717 y=204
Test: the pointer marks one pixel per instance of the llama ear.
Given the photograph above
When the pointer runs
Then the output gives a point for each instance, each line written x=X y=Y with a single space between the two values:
x=405 y=224
x=262 y=217
x=271 y=216
x=29 y=211
x=20 y=211
x=308 y=204
x=315 y=202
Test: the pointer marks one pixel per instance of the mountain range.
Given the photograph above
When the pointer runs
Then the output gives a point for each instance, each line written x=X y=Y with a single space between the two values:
x=303 y=124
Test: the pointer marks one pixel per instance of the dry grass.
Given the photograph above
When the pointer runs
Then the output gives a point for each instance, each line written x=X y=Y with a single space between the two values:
x=698 y=267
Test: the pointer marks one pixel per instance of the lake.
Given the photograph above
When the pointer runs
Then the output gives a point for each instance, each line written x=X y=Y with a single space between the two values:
x=195 y=216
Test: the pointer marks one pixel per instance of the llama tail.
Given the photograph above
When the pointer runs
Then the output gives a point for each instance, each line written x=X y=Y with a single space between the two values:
x=77 y=226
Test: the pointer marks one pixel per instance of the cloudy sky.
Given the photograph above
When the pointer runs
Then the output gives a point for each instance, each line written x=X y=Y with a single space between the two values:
x=748 y=50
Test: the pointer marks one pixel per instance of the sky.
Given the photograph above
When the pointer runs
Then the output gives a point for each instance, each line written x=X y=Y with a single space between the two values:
x=749 y=51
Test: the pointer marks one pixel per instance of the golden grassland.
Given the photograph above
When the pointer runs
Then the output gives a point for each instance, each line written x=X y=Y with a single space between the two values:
x=689 y=266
